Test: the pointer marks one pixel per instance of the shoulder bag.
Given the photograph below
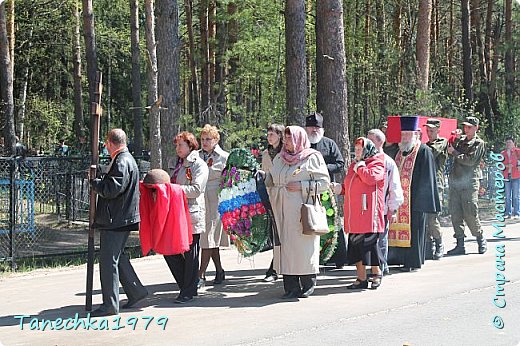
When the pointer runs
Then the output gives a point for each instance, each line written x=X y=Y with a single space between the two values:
x=313 y=215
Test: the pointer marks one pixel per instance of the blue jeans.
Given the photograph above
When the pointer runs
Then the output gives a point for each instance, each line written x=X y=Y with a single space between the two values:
x=512 y=191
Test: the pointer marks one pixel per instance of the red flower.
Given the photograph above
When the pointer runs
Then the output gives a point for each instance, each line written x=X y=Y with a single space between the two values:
x=210 y=162
x=188 y=174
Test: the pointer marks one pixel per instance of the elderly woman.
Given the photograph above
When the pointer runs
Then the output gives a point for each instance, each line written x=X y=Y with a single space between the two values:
x=275 y=133
x=364 y=211
x=297 y=171
x=210 y=240
x=191 y=173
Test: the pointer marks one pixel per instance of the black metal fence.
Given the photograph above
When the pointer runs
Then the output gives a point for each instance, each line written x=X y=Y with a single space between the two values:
x=44 y=203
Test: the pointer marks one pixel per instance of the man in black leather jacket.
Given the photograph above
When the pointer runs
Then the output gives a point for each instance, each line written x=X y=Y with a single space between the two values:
x=117 y=213
x=335 y=165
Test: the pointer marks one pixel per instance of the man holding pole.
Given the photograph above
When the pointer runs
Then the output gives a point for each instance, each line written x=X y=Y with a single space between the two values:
x=117 y=213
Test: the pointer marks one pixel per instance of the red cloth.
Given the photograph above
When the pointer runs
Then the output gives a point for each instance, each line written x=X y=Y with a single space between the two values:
x=393 y=132
x=165 y=223
x=365 y=214
x=513 y=161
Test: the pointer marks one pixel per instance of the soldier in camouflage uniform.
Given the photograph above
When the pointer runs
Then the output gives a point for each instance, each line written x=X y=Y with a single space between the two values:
x=467 y=152
x=439 y=146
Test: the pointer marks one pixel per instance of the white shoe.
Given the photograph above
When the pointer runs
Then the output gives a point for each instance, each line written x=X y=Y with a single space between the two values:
x=516 y=217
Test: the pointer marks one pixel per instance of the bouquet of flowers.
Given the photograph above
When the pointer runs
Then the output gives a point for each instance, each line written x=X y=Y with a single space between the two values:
x=242 y=213
x=329 y=241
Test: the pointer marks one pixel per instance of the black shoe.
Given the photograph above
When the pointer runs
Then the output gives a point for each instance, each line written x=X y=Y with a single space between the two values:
x=270 y=278
x=219 y=278
x=131 y=302
x=291 y=295
x=201 y=282
x=407 y=269
x=482 y=245
x=183 y=300
x=340 y=265
x=358 y=285
x=459 y=249
x=439 y=249
x=307 y=293
x=375 y=280
x=99 y=312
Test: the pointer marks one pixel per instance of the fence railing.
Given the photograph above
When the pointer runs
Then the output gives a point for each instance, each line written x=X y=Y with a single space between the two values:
x=44 y=203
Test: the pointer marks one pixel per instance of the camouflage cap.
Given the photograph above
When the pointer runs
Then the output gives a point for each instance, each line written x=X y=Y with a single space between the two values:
x=471 y=121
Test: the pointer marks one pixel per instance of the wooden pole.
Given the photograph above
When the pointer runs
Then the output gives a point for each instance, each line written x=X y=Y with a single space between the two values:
x=95 y=110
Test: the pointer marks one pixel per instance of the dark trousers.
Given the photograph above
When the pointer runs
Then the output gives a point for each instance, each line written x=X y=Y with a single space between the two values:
x=340 y=254
x=298 y=283
x=185 y=268
x=271 y=270
x=115 y=267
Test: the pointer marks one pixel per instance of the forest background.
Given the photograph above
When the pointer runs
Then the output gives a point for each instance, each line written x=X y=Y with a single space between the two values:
x=173 y=65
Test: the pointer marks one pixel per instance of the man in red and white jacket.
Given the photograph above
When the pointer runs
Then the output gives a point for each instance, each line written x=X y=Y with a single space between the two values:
x=512 y=173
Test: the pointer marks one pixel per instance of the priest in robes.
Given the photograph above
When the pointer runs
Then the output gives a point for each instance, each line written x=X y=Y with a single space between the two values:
x=416 y=164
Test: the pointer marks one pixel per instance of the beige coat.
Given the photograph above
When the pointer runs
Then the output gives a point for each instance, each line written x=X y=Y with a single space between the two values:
x=216 y=161
x=298 y=254
x=267 y=163
x=194 y=188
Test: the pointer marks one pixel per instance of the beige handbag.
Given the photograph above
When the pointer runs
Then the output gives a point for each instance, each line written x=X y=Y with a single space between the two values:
x=314 y=215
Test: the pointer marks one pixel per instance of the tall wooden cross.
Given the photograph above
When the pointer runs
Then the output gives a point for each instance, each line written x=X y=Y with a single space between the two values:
x=95 y=111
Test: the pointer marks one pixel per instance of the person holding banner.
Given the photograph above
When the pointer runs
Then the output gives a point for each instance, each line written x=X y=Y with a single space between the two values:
x=439 y=147
x=117 y=213
x=406 y=237
x=468 y=151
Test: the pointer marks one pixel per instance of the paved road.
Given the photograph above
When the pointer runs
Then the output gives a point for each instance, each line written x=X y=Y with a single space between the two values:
x=448 y=302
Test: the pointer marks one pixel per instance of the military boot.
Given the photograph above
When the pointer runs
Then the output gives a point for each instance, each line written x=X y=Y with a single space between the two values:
x=482 y=244
x=459 y=249
x=439 y=249
x=429 y=250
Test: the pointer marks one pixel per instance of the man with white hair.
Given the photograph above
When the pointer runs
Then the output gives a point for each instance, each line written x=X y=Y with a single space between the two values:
x=393 y=193
x=407 y=236
x=335 y=164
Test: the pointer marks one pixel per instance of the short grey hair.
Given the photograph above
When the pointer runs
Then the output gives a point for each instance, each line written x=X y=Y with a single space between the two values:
x=378 y=134
x=117 y=137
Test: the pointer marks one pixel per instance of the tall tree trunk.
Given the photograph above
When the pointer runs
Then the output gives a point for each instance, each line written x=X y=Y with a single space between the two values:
x=449 y=49
x=78 y=89
x=168 y=56
x=295 y=62
x=220 y=68
x=483 y=105
x=423 y=44
x=331 y=71
x=381 y=63
x=154 y=100
x=20 y=121
x=488 y=36
x=509 y=56
x=89 y=35
x=204 y=54
x=366 y=69
x=136 y=77
x=466 y=53
x=11 y=33
x=188 y=8
x=212 y=32
x=6 y=82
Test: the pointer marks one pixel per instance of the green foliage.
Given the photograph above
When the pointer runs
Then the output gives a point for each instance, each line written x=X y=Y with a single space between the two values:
x=48 y=121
